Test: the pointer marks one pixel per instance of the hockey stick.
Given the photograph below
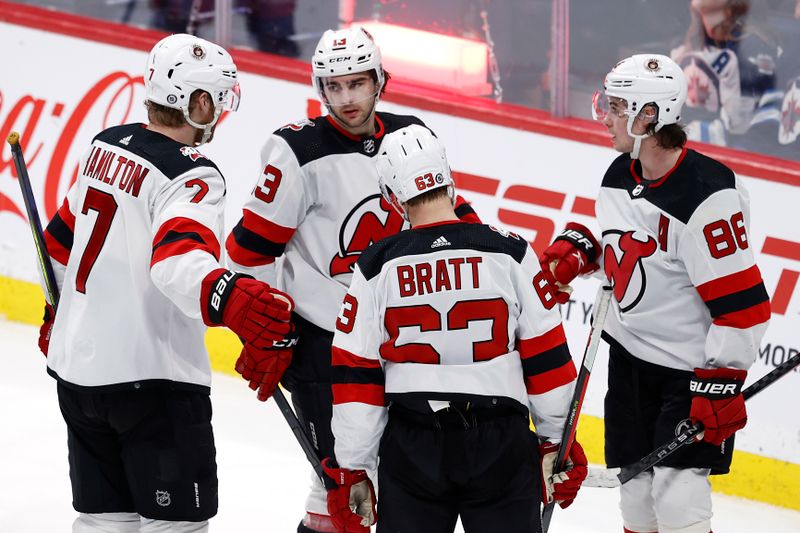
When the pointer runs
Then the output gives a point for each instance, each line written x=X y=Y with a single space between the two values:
x=614 y=477
x=45 y=267
x=601 y=306
x=300 y=434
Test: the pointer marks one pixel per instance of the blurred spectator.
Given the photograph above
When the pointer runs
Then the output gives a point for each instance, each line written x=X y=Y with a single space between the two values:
x=730 y=58
x=271 y=22
x=175 y=16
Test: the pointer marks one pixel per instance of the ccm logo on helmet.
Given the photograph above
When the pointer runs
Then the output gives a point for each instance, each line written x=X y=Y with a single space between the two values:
x=339 y=59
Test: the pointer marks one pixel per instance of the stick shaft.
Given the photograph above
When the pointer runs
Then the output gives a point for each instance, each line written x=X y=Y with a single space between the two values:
x=603 y=478
x=593 y=342
x=43 y=257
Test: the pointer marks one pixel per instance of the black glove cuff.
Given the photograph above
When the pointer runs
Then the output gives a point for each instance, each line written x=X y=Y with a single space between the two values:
x=221 y=289
x=715 y=388
x=580 y=241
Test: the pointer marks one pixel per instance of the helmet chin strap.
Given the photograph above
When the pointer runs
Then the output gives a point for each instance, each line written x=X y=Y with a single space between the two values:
x=637 y=139
x=207 y=128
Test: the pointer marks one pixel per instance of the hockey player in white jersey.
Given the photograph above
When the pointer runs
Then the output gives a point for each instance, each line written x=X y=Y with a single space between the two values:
x=689 y=307
x=315 y=207
x=448 y=339
x=135 y=247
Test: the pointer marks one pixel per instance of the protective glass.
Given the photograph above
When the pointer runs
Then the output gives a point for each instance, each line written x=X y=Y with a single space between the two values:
x=232 y=98
x=602 y=106
x=348 y=90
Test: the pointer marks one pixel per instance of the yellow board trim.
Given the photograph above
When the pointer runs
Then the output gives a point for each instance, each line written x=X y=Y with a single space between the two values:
x=752 y=476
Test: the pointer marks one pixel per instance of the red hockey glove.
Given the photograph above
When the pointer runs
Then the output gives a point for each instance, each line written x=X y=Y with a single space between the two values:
x=352 y=503
x=562 y=486
x=253 y=310
x=717 y=402
x=263 y=368
x=574 y=253
x=46 y=328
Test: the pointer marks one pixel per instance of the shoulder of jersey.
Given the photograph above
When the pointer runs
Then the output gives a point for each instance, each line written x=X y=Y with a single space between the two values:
x=479 y=238
x=692 y=183
x=170 y=157
x=312 y=139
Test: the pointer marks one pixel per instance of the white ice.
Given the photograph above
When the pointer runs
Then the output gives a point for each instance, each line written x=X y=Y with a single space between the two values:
x=263 y=474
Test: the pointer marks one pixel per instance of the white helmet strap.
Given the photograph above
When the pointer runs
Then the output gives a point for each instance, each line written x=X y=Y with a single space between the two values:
x=207 y=128
x=637 y=138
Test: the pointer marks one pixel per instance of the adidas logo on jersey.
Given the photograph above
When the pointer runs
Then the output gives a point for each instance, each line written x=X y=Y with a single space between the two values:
x=125 y=140
x=441 y=241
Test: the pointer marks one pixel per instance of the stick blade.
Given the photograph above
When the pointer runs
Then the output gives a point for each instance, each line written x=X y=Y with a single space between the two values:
x=603 y=477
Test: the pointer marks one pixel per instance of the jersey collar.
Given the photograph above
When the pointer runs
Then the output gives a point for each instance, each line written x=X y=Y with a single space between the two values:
x=442 y=223
x=636 y=167
x=340 y=129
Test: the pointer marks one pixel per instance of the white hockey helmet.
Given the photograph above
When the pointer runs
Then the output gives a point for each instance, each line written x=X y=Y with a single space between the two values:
x=343 y=52
x=180 y=64
x=640 y=80
x=411 y=162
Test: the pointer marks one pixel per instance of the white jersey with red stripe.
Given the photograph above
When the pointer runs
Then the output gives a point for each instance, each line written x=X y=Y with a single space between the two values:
x=135 y=236
x=446 y=312
x=687 y=291
x=316 y=205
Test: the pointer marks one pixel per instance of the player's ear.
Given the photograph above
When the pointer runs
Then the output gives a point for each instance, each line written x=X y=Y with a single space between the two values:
x=648 y=114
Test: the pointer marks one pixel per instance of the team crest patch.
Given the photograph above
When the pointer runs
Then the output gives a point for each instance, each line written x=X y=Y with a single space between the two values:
x=198 y=52
x=191 y=153
x=369 y=146
x=504 y=232
x=653 y=65
x=299 y=125
x=790 y=114
x=162 y=498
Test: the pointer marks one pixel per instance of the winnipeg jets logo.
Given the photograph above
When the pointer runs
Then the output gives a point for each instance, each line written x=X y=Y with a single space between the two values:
x=369 y=221
x=369 y=146
x=790 y=114
x=191 y=153
x=624 y=254
x=703 y=80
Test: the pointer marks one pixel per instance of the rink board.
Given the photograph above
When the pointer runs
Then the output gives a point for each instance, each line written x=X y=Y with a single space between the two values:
x=520 y=170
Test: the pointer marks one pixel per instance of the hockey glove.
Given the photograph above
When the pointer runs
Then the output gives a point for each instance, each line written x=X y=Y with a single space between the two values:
x=574 y=253
x=46 y=328
x=264 y=368
x=717 y=402
x=352 y=503
x=562 y=486
x=253 y=310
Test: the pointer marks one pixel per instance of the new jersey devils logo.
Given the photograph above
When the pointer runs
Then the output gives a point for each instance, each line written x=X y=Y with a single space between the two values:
x=369 y=221
x=627 y=274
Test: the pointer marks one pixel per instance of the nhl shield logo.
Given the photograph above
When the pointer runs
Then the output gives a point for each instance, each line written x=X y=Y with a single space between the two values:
x=162 y=498
x=369 y=146
x=637 y=190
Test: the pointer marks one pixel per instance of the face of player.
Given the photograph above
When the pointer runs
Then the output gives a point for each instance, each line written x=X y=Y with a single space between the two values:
x=615 y=119
x=352 y=101
x=203 y=113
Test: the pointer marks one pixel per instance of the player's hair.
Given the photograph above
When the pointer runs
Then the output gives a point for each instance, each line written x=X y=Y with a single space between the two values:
x=429 y=197
x=669 y=136
x=168 y=116
x=386 y=78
